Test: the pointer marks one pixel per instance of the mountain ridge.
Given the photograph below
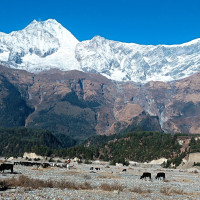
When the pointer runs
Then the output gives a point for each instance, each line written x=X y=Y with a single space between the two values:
x=80 y=104
x=47 y=44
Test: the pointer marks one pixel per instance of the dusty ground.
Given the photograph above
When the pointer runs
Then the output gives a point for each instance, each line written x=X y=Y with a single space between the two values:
x=179 y=183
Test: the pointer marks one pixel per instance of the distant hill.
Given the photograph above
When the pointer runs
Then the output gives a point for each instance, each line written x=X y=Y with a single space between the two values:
x=16 y=141
x=139 y=146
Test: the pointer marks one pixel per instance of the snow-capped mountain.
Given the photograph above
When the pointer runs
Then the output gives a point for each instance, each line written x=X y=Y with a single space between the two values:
x=45 y=45
x=140 y=63
x=40 y=46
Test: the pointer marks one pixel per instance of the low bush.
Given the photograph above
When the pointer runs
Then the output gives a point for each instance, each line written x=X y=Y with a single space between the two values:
x=111 y=187
x=139 y=190
x=165 y=190
x=26 y=182
x=169 y=191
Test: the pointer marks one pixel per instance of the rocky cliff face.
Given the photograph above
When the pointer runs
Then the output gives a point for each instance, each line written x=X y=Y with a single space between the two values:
x=175 y=103
x=83 y=104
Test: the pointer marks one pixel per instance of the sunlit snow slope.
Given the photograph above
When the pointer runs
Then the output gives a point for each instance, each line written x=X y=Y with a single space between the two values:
x=140 y=63
x=40 y=46
x=45 y=45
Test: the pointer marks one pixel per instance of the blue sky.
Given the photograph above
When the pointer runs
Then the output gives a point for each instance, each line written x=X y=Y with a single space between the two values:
x=138 y=21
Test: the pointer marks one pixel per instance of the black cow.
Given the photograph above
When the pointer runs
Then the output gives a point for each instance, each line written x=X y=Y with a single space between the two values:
x=145 y=175
x=91 y=168
x=97 y=168
x=160 y=175
x=5 y=166
x=123 y=170
x=45 y=165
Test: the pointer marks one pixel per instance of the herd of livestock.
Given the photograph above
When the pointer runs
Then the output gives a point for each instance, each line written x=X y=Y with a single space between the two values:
x=7 y=166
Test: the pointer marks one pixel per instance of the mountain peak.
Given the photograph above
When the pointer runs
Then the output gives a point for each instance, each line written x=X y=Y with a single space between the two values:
x=53 y=21
x=43 y=29
x=45 y=21
x=44 y=45
x=41 y=45
x=98 y=37
x=47 y=24
x=34 y=21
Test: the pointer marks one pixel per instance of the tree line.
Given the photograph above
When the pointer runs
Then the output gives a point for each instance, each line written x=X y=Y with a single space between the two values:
x=140 y=146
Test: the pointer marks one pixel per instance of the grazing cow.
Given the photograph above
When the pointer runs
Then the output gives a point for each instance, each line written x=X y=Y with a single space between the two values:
x=91 y=168
x=97 y=168
x=123 y=170
x=145 y=175
x=45 y=165
x=160 y=175
x=5 y=166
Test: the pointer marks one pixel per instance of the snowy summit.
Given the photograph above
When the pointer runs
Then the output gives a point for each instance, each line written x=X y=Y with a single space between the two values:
x=47 y=44
x=40 y=46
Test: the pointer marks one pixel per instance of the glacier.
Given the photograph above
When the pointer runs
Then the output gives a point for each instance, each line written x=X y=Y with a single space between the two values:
x=47 y=44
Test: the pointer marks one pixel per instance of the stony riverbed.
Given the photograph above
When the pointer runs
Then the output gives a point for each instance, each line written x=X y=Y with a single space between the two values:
x=107 y=183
